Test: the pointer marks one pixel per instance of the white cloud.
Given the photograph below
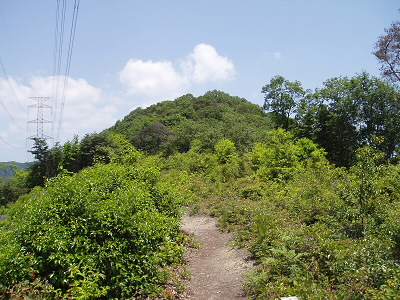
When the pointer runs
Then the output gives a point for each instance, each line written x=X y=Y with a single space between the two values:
x=161 y=80
x=206 y=64
x=77 y=110
x=153 y=79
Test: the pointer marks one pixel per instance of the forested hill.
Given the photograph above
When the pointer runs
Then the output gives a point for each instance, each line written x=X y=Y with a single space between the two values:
x=171 y=126
x=7 y=169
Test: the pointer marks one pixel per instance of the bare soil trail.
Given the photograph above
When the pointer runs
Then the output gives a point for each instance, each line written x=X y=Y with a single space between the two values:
x=217 y=268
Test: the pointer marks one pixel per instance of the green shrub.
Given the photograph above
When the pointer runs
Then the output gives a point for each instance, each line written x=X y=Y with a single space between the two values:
x=99 y=234
x=280 y=156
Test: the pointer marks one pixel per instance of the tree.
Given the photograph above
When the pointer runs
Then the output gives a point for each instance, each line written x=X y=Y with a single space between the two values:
x=379 y=112
x=281 y=155
x=72 y=155
x=341 y=139
x=281 y=98
x=367 y=170
x=387 y=51
x=307 y=116
x=38 y=169
x=93 y=148
x=152 y=137
x=225 y=150
x=40 y=149
x=348 y=113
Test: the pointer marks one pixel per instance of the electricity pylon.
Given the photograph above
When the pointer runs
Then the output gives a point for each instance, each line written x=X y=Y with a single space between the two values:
x=40 y=120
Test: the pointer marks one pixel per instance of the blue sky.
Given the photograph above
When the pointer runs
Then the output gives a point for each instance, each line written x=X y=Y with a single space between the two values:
x=129 y=54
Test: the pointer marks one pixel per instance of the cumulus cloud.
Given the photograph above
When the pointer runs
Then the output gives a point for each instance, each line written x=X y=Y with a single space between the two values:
x=86 y=109
x=153 y=79
x=205 y=64
x=161 y=79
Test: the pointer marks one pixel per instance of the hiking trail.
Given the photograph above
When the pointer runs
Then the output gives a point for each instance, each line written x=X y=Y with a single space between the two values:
x=217 y=268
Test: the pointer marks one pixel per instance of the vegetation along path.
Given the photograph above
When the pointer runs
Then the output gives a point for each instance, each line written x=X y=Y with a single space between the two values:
x=217 y=268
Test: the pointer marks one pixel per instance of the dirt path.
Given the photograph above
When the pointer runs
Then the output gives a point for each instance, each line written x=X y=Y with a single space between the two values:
x=216 y=267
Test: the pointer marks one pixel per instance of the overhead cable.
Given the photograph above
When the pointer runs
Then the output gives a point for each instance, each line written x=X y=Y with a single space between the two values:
x=8 y=113
x=68 y=63
x=58 y=51
x=11 y=87
x=11 y=145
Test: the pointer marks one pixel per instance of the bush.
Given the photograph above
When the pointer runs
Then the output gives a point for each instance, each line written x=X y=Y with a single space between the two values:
x=98 y=234
x=281 y=155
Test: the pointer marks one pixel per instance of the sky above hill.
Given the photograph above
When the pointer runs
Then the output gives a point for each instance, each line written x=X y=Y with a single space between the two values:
x=129 y=54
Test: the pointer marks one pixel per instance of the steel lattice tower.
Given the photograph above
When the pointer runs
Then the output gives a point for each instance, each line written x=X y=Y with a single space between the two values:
x=40 y=121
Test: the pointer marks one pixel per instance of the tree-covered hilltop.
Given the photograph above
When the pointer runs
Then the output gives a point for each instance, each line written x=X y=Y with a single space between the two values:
x=171 y=126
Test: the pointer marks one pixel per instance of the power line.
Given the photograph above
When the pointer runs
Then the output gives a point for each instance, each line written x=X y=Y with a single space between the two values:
x=11 y=145
x=58 y=50
x=68 y=63
x=11 y=87
x=1 y=101
x=8 y=113
x=14 y=94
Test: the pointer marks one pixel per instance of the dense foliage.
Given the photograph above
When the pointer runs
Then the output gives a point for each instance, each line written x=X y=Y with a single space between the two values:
x=344 y=115
x=76 y=155
x=171 y=126
x=12 y=182
x=317 y=232
x=107 y=232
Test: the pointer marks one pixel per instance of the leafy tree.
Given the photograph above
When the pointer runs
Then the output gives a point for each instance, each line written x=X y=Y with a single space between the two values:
x=281 y=155
x=307 y=119
x=207 y=132
x=348 y=113
x=379 y=112
x=93 y=148
x=8 y=169
x=12 y=183
x=367 y=170
x=39 y=169
x=225 y=150
x=71 y=160
x=387 y=51
x=152 y=137
x=342 y=137
x=281 y=98
x=54 y=161
x=40 y=149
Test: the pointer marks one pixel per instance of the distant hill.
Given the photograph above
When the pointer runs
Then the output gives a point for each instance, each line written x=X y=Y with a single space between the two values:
x=8 y=168
x=172 y=126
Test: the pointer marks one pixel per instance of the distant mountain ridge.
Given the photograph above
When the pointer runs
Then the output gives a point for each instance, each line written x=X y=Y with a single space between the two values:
x=8 y=168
